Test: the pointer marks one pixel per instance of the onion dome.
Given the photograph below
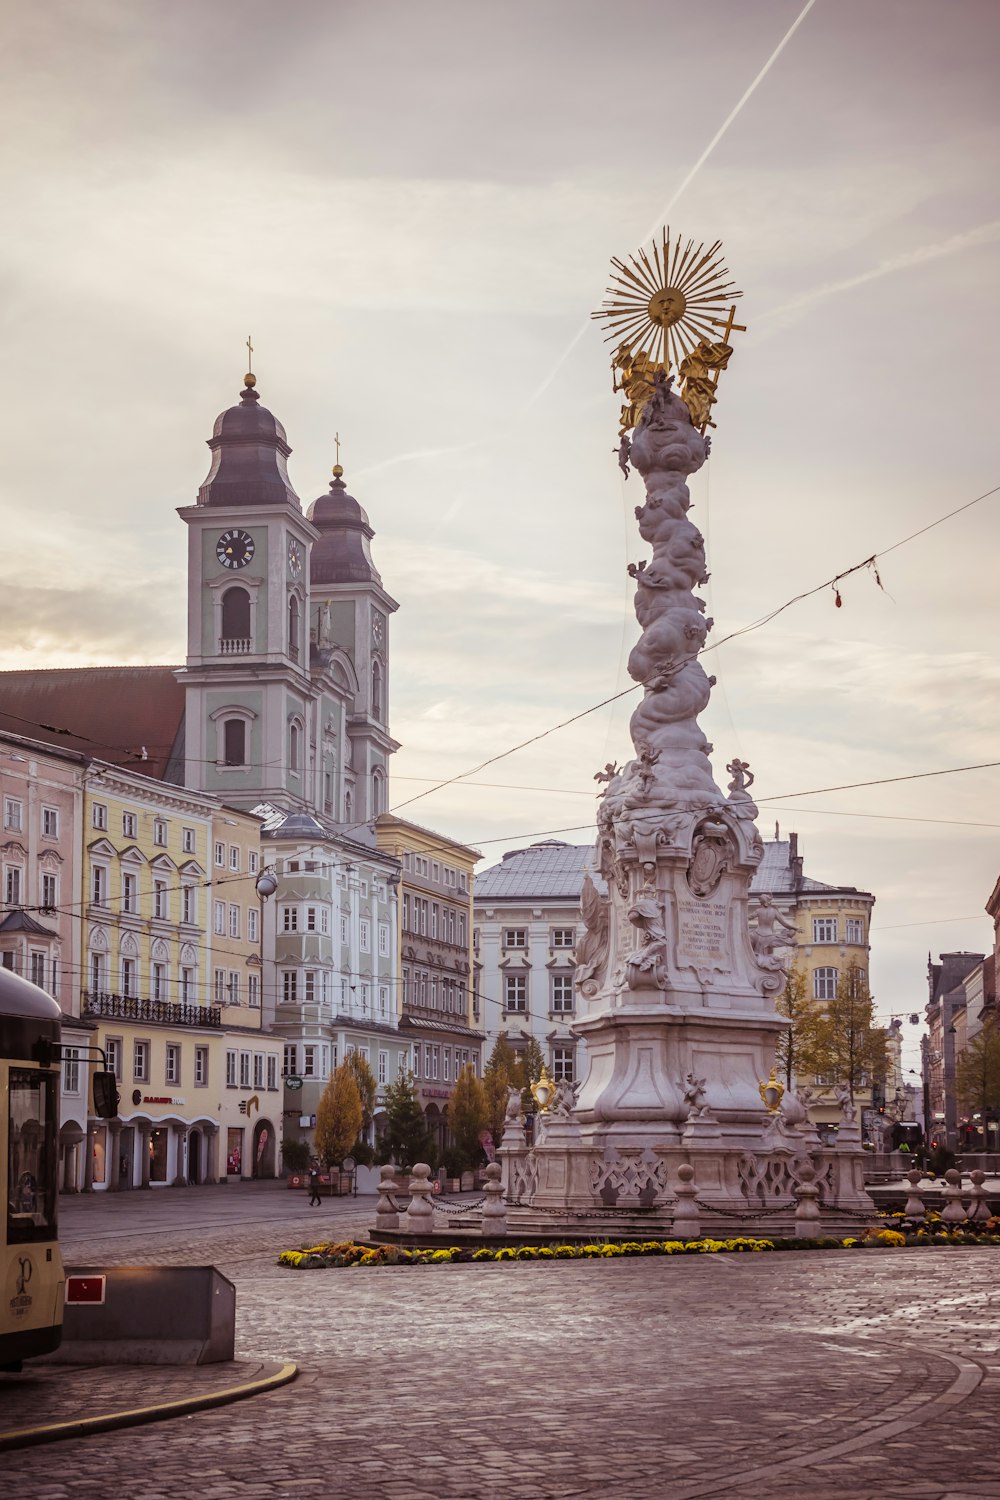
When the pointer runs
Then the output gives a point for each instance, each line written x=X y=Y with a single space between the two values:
x=249 y=453
x=341 y=554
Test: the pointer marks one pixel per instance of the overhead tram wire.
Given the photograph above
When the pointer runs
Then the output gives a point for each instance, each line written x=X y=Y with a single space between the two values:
x=868 y=562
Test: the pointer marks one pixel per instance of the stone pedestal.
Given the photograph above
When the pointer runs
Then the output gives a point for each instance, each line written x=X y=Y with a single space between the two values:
x=563 y=1162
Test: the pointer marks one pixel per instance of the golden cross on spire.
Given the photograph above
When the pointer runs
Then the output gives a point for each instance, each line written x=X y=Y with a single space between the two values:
x=249 y=354
x=337 y=470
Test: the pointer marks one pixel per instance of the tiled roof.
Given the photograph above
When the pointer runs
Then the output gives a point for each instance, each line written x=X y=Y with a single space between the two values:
x=112 y=713
x=774 y=874
x=547 y=870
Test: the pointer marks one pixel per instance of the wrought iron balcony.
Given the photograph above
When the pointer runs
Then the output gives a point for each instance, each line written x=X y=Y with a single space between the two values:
x=157 y=1012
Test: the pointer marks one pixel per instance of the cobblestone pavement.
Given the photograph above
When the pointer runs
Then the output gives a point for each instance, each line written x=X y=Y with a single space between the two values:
x=862 y=1374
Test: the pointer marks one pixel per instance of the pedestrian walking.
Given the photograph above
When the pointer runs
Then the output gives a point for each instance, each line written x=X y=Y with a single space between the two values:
x=314 y=1183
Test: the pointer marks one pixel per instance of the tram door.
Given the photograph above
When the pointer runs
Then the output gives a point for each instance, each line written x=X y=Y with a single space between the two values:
x=126 y=1156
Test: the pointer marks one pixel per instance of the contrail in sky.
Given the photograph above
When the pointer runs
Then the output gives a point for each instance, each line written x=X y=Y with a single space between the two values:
x=661 y=217
x=954 y=245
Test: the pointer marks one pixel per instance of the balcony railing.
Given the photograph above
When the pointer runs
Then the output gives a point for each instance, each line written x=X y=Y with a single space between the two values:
x=159 y=1012
x=235 y=646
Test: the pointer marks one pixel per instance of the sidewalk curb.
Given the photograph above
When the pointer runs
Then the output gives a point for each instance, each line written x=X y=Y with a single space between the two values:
x=30 y=1437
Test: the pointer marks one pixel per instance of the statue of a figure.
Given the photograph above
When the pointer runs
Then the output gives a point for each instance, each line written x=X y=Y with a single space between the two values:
x=694 y=1097
x=743 y=777
x=649 y=957
x=608 y=774
x=772 y=931
x=644 y=769
x=623 y=450
x=514 y=1112
x=564 y=1100
x=592 y=949
x=637 y=372
x=848 y=1113
x=324 y=631
x=698 y=388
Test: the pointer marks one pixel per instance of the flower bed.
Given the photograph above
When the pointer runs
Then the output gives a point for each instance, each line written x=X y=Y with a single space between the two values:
x=348 y=1253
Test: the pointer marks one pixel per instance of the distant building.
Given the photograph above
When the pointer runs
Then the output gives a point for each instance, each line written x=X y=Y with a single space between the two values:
x=527 y=925
x=439 y=1016
x=954 y=1007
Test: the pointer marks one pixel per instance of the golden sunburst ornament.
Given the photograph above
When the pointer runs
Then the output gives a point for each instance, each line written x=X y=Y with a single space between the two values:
x=664 y=301
x=663 y=307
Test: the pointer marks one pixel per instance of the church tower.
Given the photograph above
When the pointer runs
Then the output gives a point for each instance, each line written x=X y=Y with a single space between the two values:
x=349 y=627
x=250 y=696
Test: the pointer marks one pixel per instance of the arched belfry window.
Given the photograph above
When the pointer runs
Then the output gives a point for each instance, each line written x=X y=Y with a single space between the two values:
x=236 y=615
x=234 y=742
x=378 y=793
x=376 y=691
x=294 y=749
x=293 y=627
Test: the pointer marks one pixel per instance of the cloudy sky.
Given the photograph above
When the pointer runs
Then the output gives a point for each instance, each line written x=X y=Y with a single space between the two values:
x=412 y=205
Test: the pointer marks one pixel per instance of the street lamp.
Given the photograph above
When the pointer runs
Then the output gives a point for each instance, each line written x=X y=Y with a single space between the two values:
x=266 y=884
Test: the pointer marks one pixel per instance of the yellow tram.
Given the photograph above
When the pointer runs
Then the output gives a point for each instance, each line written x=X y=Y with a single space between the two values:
x=31 y=1270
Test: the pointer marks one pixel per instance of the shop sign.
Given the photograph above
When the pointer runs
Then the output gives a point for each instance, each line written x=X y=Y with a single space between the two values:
x=161 y=1099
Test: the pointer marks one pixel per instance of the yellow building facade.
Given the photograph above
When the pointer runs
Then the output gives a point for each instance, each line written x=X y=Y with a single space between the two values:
x=199 y=1079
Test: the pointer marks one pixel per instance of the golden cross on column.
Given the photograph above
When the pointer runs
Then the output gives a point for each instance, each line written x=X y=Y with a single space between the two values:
x=730 y=325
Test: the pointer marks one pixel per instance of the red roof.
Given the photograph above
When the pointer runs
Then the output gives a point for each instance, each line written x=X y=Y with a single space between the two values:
x=131 y=716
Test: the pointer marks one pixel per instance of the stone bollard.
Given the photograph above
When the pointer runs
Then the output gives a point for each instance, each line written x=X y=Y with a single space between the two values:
x=807 y=1205
x=954 y=1209
x=386 y=1212
x=979 y=1208
x=914 y=1208
x=686 y=1225
x=495 y=1207
x=419 y=1217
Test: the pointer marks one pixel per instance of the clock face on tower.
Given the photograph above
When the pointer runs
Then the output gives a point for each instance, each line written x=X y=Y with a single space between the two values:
x=294 y=558
x=234 y=549
x=378 y=629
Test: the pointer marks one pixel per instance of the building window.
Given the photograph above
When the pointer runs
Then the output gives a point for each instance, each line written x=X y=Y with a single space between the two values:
x=12 y=885
x=293 y=748
x=234 y=859
x=13 y=814
x=515 y=992
x=160 y=909
x=252 y=861
x=245 y=1070
x=159 y=985
x=189 y=905
x=289 y=1061
x=236 y=616
x=129 y=825
x=272 y=1071
x=233 y=988
x=234 y=742
x=219 y=987
x=253 y=991
x=140 y=1062
x=201 y=1067
x=220 y=855
x=160 y=832
x=289 y=919
x=219 y=918
x=515 y=937
x=71 y=1070
x=447 y=1065
x=383 y=1000
x=100 y=816
x=50 y=823
x=251 y=924
x=343 y=929
x=309 y=1062
x=855 y=930
x=562 y=993
x=824 y=929
x=562 y=1064
x=130 y=893
x=378 y=793
x=824 y=984
x=258 y=1070
x=38 y=969
x=187 y=840
x=50 y=892
x=129 y=977
x=293 y=627
x=290 y=978
x=187 y=986
x=366 y=936
x=563 y=937
x=230 y=1069
x=173 y=1069
x=311 y=919
x=113 y=1053
x=234 y=921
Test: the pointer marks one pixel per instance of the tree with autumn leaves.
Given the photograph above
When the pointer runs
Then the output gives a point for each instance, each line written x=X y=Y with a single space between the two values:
x=835 y=1038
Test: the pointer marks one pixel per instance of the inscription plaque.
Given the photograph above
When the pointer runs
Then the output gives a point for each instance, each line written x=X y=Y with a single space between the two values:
x=701 y=933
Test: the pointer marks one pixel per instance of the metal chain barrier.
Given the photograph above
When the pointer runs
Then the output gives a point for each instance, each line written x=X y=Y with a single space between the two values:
x=441 y=1207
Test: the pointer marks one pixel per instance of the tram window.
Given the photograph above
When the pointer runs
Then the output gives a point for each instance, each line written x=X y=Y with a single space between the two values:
x=31 y=1197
